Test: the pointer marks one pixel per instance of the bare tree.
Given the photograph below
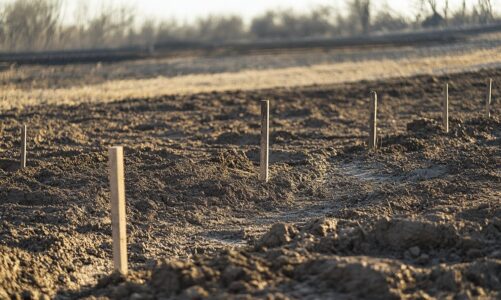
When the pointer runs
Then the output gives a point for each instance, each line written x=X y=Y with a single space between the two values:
x=265 y=26
x=446 y=11
x=433 y=5
x=148 y=34
x=460 y=17
x=485 y=13
x=287 y=24
x=435 y=19
x=110 y=28
x=30 y=24
x=221 y=28
x=463 y=10
x=386 y=21
x=360 y=9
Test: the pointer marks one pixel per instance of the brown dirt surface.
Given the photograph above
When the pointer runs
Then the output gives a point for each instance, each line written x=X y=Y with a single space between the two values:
x=417 y=219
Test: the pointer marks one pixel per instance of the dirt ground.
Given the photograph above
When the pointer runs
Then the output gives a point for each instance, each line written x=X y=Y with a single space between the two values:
x=417 y=219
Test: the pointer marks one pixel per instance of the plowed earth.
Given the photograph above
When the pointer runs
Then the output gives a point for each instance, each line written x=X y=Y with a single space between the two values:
x=418 y=218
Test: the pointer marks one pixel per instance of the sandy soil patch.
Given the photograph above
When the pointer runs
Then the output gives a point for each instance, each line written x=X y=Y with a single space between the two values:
x=113 y=90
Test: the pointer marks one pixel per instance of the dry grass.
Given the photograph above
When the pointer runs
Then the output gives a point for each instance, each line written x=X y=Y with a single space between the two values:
x=252 y=79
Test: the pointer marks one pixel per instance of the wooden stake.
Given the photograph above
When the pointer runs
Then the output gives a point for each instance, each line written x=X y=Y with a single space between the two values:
x=118 y=220
x=445 y=108
x=23 y=146
x=488 y=100
x=265 y=140
x=373 y=122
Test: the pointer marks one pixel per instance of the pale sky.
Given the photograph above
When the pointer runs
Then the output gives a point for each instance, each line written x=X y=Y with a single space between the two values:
x=190 y=10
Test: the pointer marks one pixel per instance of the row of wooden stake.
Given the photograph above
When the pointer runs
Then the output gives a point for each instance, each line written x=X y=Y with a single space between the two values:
x=117 y=183
x=445 y=112
x=117 y=187
x=116 y=165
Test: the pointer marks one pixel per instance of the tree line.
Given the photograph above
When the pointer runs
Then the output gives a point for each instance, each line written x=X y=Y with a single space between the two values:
x=37 y=25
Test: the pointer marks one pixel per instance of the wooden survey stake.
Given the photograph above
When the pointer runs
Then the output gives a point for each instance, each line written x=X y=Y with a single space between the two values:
x=373 y=122
x=445 y=108
x=118 y=220
x=488 y=99
x=23 y=146
x=265 y=140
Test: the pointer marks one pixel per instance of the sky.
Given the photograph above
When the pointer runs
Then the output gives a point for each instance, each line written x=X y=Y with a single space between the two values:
x=190 y=10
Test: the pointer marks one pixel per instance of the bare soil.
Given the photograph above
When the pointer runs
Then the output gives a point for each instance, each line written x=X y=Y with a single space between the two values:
x=419 y=218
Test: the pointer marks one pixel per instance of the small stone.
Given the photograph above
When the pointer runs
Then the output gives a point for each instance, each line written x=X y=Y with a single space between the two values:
x=231 y=274
x=61 y=278
x=239 y=287
x=137 y=296
x=321 y=226
x=415 y=251
x=449 y=280
x=195 y=292
x=278 y=235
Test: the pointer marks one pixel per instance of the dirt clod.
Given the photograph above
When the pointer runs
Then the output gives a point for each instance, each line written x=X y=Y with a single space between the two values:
x=278 y=235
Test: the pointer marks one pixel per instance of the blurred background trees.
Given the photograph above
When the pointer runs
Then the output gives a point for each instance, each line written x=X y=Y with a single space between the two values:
x=286 y=24
x=37 y=25
x=30 y=24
